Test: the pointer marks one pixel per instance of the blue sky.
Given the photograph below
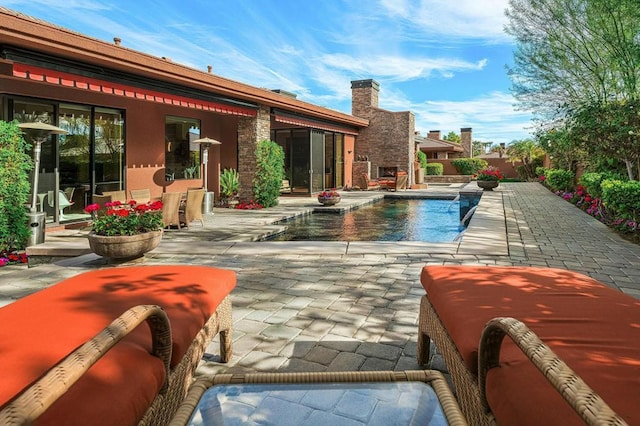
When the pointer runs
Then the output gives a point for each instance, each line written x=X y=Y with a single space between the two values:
x=443 y=60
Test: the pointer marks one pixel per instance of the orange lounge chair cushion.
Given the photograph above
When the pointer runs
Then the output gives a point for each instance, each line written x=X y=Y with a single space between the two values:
x=595 y=329
x=41 y=329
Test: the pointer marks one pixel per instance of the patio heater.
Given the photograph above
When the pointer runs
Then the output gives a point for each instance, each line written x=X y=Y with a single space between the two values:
x=206 y=143
x=38 y=132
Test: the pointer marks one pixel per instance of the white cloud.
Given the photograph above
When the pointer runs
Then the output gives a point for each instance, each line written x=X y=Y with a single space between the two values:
x=399 y=68
x=474 y=19
x=492 y=117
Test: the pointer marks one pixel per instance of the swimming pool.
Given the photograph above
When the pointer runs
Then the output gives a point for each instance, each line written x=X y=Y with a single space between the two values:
x=428 y=220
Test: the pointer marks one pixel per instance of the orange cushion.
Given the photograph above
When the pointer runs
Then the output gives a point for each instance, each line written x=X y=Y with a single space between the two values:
x=595 y=329
x=41 y=329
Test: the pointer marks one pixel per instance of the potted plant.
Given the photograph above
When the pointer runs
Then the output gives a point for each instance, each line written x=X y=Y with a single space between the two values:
x=125 y=231
x=329 y=198
x=489 y=178
x=229 y=184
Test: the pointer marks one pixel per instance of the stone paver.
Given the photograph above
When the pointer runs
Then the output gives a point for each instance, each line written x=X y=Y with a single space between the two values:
x=328 y=307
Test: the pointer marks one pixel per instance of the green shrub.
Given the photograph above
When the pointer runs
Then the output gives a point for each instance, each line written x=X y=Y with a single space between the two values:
x=422 y=159
x=434 y=169
x=15 y=166
x=559 y=179
x=591 y=183
x=469 y=166
x=622 y=198
x=229 y=183
x=269 y=173
x=541 y=171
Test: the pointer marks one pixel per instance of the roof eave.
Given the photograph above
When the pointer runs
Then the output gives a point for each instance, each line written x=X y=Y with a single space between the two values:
x=30 y=33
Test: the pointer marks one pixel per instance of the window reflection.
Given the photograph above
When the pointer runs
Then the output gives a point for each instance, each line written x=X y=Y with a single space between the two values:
x=182 y=155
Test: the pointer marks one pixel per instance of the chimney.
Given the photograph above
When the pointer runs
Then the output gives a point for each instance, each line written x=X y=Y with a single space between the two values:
x=209 y=69
x=466 y=142
x=434 y=134
x=364 y=96
x=117 y=41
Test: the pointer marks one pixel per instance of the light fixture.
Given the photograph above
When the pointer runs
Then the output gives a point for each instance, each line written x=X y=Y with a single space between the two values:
x=39 y=132
x=206 y=143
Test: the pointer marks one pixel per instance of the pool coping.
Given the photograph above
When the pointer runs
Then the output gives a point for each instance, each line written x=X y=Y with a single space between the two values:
x=486 y=233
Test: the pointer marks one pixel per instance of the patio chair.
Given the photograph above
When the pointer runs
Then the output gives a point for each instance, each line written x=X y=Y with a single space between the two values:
x=370 y=184
x=192 y=209
x=63 y=202
x=141 y=196
x=117 y=195
x=170 y=209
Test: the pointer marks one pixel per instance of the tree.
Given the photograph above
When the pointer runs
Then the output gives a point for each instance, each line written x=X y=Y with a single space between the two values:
x=576 y=68
x=609 y=129
x=571 y=52
x=529 y=153
x=563 y=152
x=452 y=137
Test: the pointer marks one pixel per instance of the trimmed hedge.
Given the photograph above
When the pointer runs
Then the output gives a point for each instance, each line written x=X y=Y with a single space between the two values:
x=622 y=198
x=434 y=169
x=559 y=179
x=469 y=166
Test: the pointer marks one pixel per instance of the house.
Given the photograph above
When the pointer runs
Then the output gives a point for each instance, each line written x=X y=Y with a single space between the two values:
x=437 y=148
x=133 y=119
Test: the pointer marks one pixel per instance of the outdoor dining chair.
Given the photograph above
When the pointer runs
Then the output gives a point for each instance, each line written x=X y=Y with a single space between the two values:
x=141 y=196
x=192 y=209
x=170 y=209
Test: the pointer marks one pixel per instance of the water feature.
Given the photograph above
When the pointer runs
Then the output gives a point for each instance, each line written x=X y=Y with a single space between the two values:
x=467 y=217
x=427 y=220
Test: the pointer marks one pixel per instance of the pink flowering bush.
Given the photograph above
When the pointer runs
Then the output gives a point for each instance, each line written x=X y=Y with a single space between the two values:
x=594 y=207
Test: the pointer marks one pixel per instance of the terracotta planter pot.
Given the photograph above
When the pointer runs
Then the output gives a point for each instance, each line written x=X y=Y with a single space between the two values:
x=124 y=246
x=328 y=201
x=487 y=185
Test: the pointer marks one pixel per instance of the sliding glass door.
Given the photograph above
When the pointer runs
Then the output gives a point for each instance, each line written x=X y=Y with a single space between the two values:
x=317 y=161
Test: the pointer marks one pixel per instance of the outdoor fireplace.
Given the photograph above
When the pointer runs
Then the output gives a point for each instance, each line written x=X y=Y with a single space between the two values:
x=387 y=171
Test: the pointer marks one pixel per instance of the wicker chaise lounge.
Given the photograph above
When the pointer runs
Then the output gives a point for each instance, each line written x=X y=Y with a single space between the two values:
x=139 y=377
x=582 y=335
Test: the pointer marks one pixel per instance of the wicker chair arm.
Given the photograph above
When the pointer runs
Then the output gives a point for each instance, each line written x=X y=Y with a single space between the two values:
x=36 y=399
x=589 y=405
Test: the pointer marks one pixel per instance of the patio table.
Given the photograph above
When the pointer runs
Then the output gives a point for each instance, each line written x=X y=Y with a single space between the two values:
x=336 y=398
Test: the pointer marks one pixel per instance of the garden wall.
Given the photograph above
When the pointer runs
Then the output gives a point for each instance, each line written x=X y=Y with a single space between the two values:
x=507 y=169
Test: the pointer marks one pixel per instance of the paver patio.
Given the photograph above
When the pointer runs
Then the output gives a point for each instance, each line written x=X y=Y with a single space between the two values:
x=334 y=307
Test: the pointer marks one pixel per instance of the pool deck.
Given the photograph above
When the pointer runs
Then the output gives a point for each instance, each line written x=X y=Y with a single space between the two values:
x=338 y=306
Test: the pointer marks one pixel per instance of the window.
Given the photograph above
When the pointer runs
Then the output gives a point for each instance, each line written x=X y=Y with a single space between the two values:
x=182 y=156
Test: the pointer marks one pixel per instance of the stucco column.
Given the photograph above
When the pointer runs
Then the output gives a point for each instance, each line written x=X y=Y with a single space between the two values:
x=251 y=130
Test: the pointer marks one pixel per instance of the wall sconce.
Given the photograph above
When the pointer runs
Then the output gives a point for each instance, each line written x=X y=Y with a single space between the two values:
x=349 y=152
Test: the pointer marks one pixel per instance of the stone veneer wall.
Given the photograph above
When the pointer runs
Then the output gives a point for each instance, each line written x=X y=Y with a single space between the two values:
x=251 y=130
x=465 y=141
x=388 y=141
x=360 y=168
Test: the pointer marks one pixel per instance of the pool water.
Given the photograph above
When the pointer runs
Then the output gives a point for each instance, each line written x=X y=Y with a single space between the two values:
x=427 y=220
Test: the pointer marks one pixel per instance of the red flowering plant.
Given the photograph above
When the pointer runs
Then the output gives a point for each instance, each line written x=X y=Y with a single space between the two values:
x=12 y=258
x=251 y=205
x=126 y=219
x=332 y=193
x=490 y=173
